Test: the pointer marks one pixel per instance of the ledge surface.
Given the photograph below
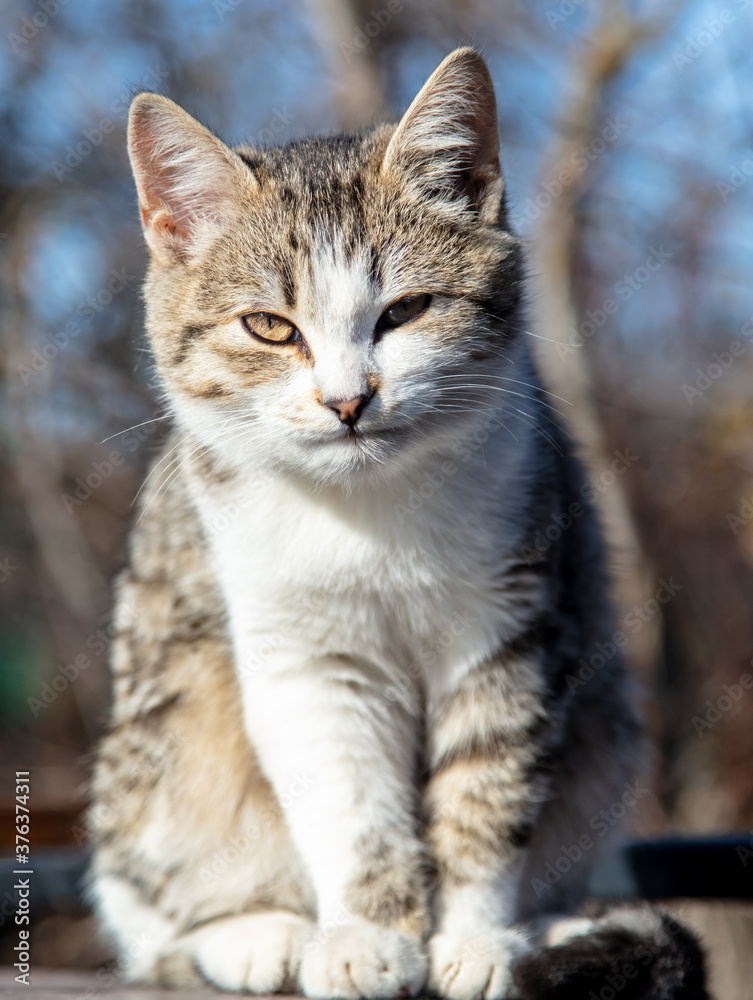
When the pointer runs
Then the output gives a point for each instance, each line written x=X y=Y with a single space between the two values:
x=51 y=984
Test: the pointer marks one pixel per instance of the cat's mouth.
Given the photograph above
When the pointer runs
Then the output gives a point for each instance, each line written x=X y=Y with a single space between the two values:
x=354 y=435
x=366 y=442
x=357 y=435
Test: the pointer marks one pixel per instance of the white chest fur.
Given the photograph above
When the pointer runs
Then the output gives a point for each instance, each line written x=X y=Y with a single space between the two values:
x=409 y=584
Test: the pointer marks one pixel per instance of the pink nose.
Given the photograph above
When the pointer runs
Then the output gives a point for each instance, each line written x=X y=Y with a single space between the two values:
x=349 y=410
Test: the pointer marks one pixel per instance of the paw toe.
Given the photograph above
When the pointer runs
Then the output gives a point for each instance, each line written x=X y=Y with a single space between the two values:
x=474 y=966
x=362 y=960
x=257 y=952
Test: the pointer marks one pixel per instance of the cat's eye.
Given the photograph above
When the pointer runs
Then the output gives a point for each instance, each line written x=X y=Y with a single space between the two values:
x=267 y=326
x=403 y=311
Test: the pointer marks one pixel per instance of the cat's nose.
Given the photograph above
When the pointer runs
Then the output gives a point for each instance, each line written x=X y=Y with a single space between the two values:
x=349 y=410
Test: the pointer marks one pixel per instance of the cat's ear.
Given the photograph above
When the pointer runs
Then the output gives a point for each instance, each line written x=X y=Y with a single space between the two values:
x=447 y=144
x=188 y=181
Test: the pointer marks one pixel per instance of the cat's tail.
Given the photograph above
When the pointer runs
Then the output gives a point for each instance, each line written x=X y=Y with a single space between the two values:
x=629 y=953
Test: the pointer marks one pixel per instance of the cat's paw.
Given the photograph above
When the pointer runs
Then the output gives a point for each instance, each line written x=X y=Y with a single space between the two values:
x=468 y=966
x=253 y=952
x=362 y=959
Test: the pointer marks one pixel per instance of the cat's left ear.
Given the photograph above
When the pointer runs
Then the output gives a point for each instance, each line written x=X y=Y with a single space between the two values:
x=447 y=145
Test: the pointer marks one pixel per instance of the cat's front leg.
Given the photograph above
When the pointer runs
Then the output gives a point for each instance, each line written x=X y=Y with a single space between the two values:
x=342 y=760
x=483 y=796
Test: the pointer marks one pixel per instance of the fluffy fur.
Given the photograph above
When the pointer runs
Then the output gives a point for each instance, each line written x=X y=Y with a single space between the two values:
x=627 y=953
x=343 y=746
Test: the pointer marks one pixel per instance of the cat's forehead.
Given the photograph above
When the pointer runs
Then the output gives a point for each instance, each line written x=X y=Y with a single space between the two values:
x=325 y=182
x=326 y=218
x=326 y=161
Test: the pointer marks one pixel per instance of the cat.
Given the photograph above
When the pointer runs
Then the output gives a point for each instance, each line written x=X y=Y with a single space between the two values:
x=346 y=739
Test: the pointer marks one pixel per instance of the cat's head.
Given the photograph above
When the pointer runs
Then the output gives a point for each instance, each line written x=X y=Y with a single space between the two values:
x=337 y=306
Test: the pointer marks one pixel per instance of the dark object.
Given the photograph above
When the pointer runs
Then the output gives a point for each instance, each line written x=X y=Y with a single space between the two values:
x=56 y=882
x=617 y=960
x=677 y=868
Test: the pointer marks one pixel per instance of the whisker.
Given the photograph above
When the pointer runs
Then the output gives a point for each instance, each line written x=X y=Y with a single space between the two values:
x=154 y=469
x=505 y=378
x=143 y=423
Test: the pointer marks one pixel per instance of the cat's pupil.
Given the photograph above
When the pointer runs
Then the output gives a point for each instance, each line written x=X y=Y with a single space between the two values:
x=403 y=311
x=267 y=326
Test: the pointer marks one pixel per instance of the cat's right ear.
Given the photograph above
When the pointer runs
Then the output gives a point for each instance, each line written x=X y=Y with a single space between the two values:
x=188 y=182
x=446 y=148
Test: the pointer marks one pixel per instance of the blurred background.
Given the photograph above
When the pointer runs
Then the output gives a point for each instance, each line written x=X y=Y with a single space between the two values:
x=627 y=133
